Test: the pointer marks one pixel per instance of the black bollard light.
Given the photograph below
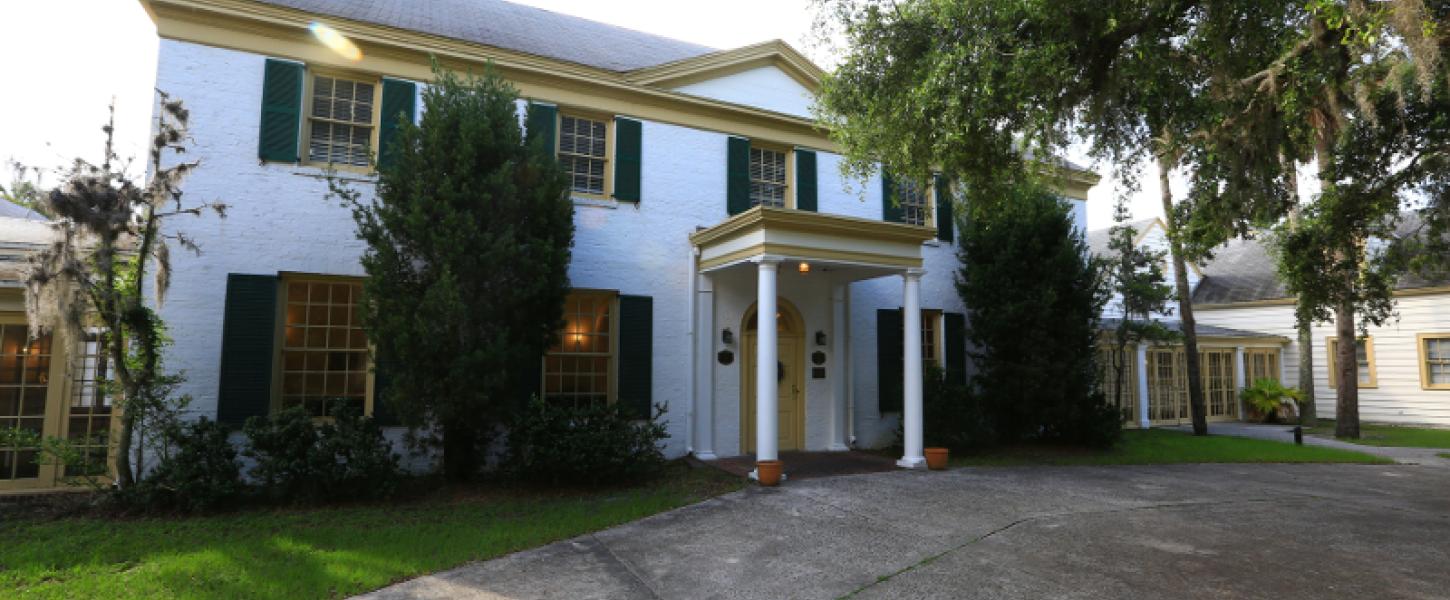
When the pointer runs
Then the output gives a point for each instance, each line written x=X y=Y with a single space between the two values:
x=1299 y=435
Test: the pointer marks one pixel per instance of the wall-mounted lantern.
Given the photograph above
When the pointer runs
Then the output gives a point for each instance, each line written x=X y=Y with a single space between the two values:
x=820 y=338
x=726 y=337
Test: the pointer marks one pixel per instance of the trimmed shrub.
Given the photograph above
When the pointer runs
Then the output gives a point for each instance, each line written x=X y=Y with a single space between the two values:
x=197 y=472
x=953 y=416
x=590 y=443
x=299 y=460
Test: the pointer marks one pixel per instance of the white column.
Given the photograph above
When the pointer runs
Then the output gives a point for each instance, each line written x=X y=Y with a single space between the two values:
x=1239 y=376
x=766 y=362
x=838 y=372
x=1143 y=386
x=911 y=410
x=706 y=336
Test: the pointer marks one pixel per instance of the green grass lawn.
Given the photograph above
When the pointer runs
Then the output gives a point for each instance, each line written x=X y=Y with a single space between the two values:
x=316 y=553
x=1375 y=434
x=1156 y=447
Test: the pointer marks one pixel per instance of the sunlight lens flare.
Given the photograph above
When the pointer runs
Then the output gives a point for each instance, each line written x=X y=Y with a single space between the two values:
x=336 y=41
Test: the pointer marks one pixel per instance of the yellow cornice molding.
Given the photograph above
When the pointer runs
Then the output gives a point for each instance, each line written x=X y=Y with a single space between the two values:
x=271 y=30
x=1289 y=301
x=762 y=217
x=726 y=62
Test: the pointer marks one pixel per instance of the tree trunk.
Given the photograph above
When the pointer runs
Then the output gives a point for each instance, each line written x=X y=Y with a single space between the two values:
x=1308 y=412
x=460 y=452
x=1196 y=407
x=1346 y=366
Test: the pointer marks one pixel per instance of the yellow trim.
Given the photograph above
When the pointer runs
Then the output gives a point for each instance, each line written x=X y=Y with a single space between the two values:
x=865 y=258
x=811 y=222
x=728 y=62
x=305 y=150
x=271 y=30
x=1424 y=357
x=1289 y=300
x=1330 y=345
x=747 y=375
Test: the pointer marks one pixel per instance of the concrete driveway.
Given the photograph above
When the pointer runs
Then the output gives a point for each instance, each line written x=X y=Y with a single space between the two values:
x=1189 y=531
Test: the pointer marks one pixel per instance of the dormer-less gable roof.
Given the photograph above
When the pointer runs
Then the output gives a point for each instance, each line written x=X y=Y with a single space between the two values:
x=514 y=27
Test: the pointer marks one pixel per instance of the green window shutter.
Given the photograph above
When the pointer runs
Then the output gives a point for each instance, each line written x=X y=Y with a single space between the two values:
x=955 y=331
x=890 y=359
x=805 y=180
x=636 y=354
x=281 y=111
x=248 y=350
x=737 y=176
x=400 y=99
x=890 y=211
x=627 y=150
x=945 y=220
x=543 y=125
x=382 y=411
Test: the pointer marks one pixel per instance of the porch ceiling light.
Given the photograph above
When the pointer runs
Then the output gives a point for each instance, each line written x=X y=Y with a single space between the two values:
x=805 y=267
x=335 y=41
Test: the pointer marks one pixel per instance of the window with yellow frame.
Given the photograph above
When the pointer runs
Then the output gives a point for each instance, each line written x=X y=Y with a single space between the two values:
x=341 y=119
x=931 y=340
x=585 y=147
x=1364 y=353
x=771 y=170
x=915 y=201
x=1434 y=349
x=579 y=369
x=324 y=350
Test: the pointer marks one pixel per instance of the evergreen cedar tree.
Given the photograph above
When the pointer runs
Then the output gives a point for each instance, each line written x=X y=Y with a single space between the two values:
x=468 y=246
x=1238 y=94
x=1035 y=329
x=1135 y=274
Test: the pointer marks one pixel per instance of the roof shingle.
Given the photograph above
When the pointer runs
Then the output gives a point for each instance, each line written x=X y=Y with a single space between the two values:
x=513 y=27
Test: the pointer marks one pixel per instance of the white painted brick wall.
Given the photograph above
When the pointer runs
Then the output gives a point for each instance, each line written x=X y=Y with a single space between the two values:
x=280 y=221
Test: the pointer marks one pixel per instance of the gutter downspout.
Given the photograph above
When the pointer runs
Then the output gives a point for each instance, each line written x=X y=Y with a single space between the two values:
x=694 y=355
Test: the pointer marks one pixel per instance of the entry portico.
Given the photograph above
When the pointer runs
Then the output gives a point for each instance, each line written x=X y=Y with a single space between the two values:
x=802 y=265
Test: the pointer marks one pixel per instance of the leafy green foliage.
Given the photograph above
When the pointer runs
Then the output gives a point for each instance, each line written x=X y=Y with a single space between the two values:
x=198 y=472
x=111 y=235
x=299 y=460
x=586 y=443
x=952 y=414
x=1035 y=329
x=1270 y=398
x=468 y=247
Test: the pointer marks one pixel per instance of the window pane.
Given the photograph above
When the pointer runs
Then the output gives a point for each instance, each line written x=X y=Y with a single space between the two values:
x=322 y=365
x=582 y=153
x=577 y=369
x=912 y=197
x=342 y=116
x=767 y=177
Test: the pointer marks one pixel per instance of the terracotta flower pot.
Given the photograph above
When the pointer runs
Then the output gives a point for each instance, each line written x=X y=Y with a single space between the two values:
x=936 y=458
x=768 y=472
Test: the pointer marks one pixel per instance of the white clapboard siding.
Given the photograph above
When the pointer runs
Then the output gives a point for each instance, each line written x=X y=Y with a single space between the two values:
x=1399 y=397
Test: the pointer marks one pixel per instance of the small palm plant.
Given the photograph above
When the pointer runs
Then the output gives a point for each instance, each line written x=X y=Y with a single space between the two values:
x=1271 y=399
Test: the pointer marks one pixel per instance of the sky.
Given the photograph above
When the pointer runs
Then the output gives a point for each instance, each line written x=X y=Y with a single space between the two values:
x=106 y=50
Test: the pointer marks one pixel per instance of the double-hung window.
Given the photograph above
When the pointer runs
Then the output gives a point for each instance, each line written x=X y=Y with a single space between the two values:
x=579 y=369
x=584 y=153
x=1364 y=357
x=341 y=118
x=768 y=177
x=915 y=206
x=931 y=337
x=1434 y=361
x=324 y=349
